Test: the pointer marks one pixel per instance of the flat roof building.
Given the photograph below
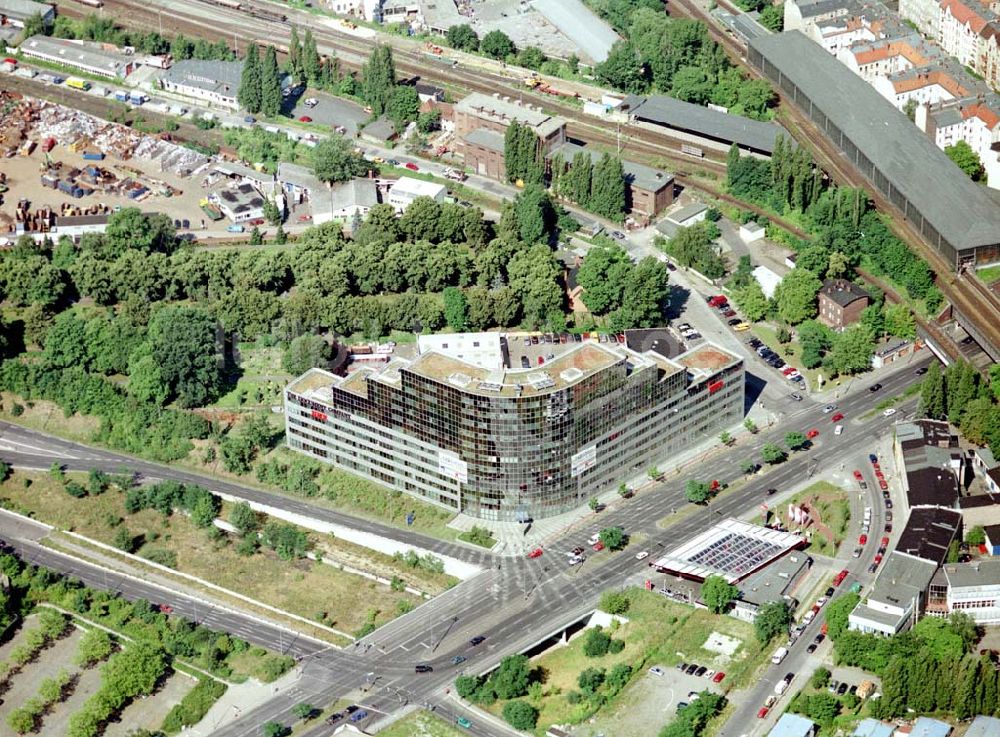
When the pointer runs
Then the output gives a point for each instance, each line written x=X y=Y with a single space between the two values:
x=793 y=725
x=972 y=588
x=983 y=726
x=580 y=25
x=100 y=60
x=928 y=533
x=897 y=597
x=955 y=215
x=406 y=189
x=930 y=462
x=512 y=444
x=16 y=12
x=732 y=549
x=240 y=203
x=723 y=129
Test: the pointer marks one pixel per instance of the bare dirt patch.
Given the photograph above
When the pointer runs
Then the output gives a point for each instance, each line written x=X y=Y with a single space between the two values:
x=148 y=712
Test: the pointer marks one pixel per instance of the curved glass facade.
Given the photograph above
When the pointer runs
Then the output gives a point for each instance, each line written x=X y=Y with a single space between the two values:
x=519 y=443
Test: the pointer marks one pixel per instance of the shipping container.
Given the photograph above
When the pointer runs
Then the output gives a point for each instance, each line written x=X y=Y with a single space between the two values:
x=121 y=95
x=78 y=84
x=93 y=156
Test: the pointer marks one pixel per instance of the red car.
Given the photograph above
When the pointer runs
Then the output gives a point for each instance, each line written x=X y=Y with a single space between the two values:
x=788 y=369
x=717 y=300
x=762 y=712
x=729 y=313
x=884 y=542
x=812 y=433
x=536 y=553
x=878 y=559
x=717 y=678
x=598 y=546
x=305 y=119
x=863 y=539
x=166 y=609
x=411 y=166
x=837 y=417
x=883 y=485
x=839 y=578
x=858 y=476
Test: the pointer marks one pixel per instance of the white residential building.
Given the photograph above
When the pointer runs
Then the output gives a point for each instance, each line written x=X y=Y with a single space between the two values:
x=972 y=588
x=959 y=24
x=974 y=120
x=406 y=189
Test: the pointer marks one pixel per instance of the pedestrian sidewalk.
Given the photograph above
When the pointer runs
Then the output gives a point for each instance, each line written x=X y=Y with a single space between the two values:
x=241 y=698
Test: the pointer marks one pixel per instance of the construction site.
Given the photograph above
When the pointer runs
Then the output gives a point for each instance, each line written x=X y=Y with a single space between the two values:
x=60 y=162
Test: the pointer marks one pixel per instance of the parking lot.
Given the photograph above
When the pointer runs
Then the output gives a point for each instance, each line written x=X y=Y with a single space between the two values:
x=537 y=349
x=329 y=111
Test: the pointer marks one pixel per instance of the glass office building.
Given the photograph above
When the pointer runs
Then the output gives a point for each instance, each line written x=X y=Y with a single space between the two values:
x=506 y=444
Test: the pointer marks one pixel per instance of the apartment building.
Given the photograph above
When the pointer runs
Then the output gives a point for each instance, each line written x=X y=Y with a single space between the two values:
x=457 y=426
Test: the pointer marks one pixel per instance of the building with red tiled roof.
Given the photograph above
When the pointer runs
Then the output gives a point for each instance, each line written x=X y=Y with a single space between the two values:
x=959 y=27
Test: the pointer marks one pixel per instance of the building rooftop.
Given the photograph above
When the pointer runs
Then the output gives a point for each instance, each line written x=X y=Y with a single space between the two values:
x=706 y=359
x=219 y=77
x=873 y=728
x=687 y=212
x=985 y=572
x=958 y=208
x=637 y=175
x=658 y=340
x=504 y=111
x=768 y=279
x=733 y=549
x=480 y=349
x=381 y=129
x=486 y=139
x=983 y=726
x=993 y=533
x=580 y=25
x=927 y=727
x=901 y=580
x=63 y=221
x=703 y=121
x=354 y=193
x=239 y=199
x=235 y=169
x=792 y=725
x=930 y=452
x=928 y=532
x=977 y=501
x=21 y=10
x=410 y=187
x=84 y=53
x=842 y=291
x=300 y=176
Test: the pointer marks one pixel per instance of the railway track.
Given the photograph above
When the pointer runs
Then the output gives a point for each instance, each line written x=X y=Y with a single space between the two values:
x=352 y=53
x=967 y=293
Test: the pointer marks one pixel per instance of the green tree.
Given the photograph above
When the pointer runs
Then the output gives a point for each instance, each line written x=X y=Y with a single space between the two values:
x=607 y=189
x=274 y=729
x=602 y=276
x=697 y=492
x=520 y=714
x=899 y=321
x=590 y=680
x=463 y=38
x=270 y=84
x=522 y=154
x=511 y=678
x=852 y=351
x=772 y=454
x=717 y=593
x=249 y=94
x=311 y=63
x=95 y=645
x=456 y=309
x=750 y=425
x=305 y=352
x=243 y=518
x=751 y=301
x=967 y=160
x=334 y=160
x=379 y=79
x=404 y=105
x=615 y=602
x=771 y=621
x=497 y=45
x=623 y=69
x=725 y=437
x=614 y=538
x=575 y=184
x=820 y=678
x=837 y=612
x=795 y=440
x=976 y=536
x=22 y=720
x=304 y=710
x=932 y=393
x=124 y=540
x=182 y=341
x=796 y=296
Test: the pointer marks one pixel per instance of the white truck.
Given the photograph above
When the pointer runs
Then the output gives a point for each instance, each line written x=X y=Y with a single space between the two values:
x=780 y=688
x=779 y=655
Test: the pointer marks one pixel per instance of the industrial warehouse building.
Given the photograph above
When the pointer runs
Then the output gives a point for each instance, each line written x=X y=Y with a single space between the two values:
x=955 y=215
x=457 y=426
x=100 y=60
x=702 y=125
x=16 y=12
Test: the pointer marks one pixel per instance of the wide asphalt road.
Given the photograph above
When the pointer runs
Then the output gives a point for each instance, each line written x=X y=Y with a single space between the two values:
x=515 y=601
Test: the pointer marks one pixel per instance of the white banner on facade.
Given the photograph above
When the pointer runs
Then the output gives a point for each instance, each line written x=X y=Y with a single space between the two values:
x=583 y=460
x=452 y=466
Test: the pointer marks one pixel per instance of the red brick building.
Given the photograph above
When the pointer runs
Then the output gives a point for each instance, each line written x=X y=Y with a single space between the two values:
x=841 y=303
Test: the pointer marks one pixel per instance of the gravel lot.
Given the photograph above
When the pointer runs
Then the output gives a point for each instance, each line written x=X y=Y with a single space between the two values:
x=148 y=713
